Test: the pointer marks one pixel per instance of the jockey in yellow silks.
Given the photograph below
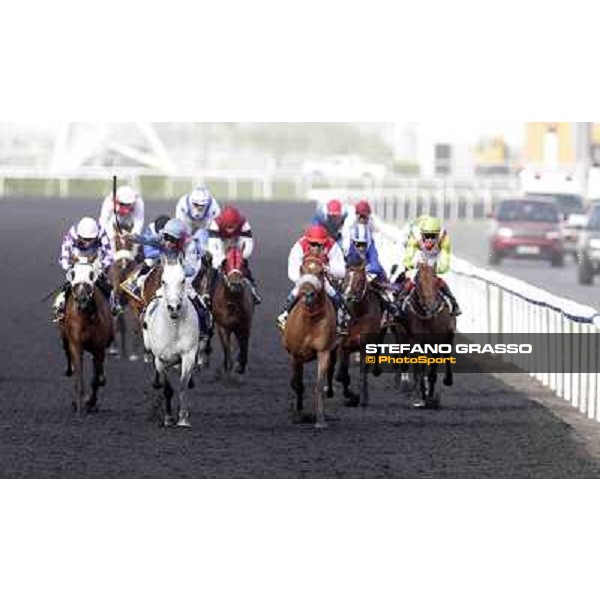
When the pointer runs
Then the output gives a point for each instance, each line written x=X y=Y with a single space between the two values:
x=430 y=242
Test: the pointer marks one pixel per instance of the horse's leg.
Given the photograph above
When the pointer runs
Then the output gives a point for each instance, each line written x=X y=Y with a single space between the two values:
x=122 y=325
x=162 y=382
x=377 y=366
x=243 y=339
x=225 y=337
x=188 y=361
x=65 y=344
x=364 y=386
x=352 y=399
x=98 y=380
x=322 y=369
x=297 y=384
x=331 y=373
x=434 y=394
x=77 y=360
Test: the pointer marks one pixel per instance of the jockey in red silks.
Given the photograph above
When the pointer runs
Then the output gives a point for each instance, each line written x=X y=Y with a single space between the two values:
x=317 y=242
x=231 y=230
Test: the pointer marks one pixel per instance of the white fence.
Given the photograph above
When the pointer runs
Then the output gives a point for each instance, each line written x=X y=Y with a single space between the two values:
x=497 y=304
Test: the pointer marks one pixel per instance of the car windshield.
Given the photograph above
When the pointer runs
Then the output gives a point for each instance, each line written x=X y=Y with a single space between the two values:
x=535 y=212
x=567 y=204
x=594 y=222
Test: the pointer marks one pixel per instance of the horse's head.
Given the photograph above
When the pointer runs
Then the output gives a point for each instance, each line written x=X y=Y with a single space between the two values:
x=313 y=265
x=355 y=282
x=426 y=287
x=125 y=248
x=82 y=278
x=173 y=286
x=233 y=269
x=309 y=288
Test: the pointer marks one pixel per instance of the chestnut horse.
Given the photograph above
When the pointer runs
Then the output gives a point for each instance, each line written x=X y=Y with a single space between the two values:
x=366 y=312
x=233 y=309
x=87 y=327
x=428 y=322
x=309 y=334
x=124 y=263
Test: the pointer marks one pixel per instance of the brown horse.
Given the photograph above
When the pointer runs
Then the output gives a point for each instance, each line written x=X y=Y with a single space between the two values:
x=87 y=327
x=309 y=334
x=233 y=309
x=428 y=322
x=365 y=308
x=125 y=262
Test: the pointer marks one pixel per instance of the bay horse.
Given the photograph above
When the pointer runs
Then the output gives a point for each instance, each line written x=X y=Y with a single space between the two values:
x=233 y=310
x=366 y=313
x=86 y=327
x=428 y=322
x=309 y=334
x=124 y=263
x=171 y=331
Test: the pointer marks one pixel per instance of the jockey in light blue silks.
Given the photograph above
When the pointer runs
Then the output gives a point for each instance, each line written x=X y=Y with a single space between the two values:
x=175 y=241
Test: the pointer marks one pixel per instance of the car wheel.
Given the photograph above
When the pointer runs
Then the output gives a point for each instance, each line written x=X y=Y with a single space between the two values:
x=585 y=274
x=558 y=260
x=495 y=257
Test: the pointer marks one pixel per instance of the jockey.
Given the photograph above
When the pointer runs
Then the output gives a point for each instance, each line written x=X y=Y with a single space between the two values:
x=174 y=241
x=317 y=242
x=361 y=247
x=331 y=216
x=135 y=281
x=198 y=209
x=231 y=230
x=126 y=212
x=85 y=240
x=429 y=241
x=363 y=215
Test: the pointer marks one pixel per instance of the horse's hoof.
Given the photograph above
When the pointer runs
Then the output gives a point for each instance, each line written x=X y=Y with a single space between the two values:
x=102 y=381
x=184 y=421
x=240 y=369
x=448 y=381
x=191 y=384
x=169 y=421
x=74 y=406
x=351 y=403
x=112 y=351
x=133 y=358
x=419 y=405
x=69 y=373
x=377 y=372
x=329 y=393
x=91 y=409
x=147 y=358
x=320 y=425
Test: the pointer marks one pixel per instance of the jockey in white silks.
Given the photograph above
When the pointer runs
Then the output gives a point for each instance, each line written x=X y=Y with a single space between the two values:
x=197 y=209
x=125 y=212
x=89 y=241
x=317 y=242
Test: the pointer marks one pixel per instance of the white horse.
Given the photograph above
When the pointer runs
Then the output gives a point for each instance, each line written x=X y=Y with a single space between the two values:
x=171 y=332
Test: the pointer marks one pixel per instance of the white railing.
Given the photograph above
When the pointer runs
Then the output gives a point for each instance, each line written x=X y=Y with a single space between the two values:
x=498 y=304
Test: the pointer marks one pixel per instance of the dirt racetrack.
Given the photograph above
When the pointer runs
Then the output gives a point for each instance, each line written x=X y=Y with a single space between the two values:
x=241 y=428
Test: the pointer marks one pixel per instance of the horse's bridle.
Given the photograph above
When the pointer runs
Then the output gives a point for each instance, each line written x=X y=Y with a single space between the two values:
x=355 y=298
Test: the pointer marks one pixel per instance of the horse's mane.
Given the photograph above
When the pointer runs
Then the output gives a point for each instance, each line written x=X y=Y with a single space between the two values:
x=311 y=280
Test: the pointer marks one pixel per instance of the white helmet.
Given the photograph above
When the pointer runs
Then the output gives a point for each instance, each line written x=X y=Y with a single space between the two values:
x=88 y=229
x=200 y=197
x=126 y=195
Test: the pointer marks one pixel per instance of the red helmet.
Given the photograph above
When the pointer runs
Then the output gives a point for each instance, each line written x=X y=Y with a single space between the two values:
x=335 y=208
x=363 y=209
x=316 y=234
x=230 y=221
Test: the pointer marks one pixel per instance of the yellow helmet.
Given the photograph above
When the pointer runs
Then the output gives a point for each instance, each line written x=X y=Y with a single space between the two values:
x=431 y=225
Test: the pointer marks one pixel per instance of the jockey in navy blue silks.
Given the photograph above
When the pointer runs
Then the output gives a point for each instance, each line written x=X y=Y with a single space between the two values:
x=361 y=246
x=331 y=216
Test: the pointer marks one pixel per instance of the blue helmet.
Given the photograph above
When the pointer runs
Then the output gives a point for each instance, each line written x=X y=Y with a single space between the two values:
x=175 y=229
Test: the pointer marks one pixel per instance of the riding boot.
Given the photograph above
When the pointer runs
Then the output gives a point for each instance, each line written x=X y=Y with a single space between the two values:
x=285 y=311
x=253 y=287
x=455 y=310
x=202 y=316
x=342 y=313
x=58 y=308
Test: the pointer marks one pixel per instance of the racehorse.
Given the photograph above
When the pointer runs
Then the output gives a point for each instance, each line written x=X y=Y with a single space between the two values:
x=233 y=309
x=170 y=332
x=309 y=334
x=123 y=265
x=428 y=322
x=366 y=312
x=86 y=327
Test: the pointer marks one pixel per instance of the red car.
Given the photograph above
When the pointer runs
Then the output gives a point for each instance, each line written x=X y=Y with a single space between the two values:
x=527 y=228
